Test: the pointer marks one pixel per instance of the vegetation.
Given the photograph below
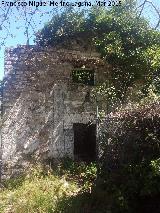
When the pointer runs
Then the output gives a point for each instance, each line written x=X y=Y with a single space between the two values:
x=130 y=163
x=124 y=39
x=43 y=190
x=127 y=178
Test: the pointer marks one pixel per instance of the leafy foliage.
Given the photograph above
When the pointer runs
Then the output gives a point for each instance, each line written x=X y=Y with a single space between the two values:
x=126 y=41
x=85 y=174
x=129 y=179
x=130 y=163
x=61 y=26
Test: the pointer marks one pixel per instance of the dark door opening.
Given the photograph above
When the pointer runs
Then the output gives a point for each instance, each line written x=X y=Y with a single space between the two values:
x=84 y=142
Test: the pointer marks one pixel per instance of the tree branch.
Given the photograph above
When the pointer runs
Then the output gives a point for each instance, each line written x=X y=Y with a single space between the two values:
x=154 y=7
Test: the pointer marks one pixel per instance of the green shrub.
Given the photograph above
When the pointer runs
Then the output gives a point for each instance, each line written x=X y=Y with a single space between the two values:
x=84 y=173
x=130 y=162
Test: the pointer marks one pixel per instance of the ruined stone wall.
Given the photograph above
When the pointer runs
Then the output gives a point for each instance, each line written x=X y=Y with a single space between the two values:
x=41 y=103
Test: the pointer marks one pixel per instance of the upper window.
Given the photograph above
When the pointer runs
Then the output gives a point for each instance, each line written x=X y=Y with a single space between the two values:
x=83 y=76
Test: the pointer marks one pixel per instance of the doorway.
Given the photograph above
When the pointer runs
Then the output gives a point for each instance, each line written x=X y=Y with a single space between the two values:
x=84 y=142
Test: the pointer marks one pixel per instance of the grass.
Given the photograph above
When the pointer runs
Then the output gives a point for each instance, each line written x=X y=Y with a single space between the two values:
x=64 y=190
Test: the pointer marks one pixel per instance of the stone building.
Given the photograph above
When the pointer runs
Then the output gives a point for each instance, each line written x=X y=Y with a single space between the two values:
x=47 y=108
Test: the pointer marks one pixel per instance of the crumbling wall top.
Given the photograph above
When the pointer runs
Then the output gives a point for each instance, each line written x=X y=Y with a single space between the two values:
x=24 y=54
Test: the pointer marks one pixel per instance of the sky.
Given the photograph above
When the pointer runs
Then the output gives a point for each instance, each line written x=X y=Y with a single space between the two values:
x=12 y=33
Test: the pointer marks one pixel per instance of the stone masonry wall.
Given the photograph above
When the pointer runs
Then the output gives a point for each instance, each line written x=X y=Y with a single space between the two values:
x=41 y=103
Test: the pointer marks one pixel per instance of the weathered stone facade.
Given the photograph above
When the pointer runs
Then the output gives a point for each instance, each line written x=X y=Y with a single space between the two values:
x=41 y=102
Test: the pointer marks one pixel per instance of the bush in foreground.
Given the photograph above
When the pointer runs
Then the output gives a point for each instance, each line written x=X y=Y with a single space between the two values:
x=130 y=162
